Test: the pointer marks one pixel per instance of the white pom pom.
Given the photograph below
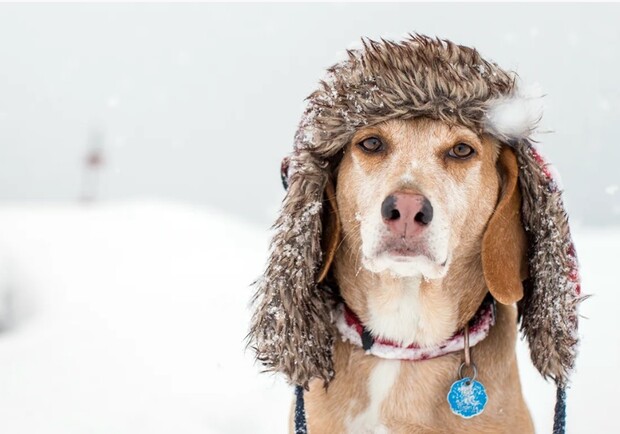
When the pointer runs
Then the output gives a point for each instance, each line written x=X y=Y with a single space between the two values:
x=516 y=117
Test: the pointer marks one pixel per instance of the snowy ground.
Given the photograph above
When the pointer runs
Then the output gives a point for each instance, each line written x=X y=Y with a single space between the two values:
x=130 y=318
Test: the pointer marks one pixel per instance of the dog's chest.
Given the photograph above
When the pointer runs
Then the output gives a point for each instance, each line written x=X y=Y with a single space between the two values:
x=380 y=384
x=376 y=396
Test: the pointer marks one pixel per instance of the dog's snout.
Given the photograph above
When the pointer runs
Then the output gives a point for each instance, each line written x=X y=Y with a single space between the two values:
x=403 y=210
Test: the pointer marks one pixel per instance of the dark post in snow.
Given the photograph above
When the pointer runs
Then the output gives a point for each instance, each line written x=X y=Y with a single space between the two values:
x=93 y=162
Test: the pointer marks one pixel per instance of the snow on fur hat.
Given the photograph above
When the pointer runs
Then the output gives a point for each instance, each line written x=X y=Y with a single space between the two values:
x=292 y=330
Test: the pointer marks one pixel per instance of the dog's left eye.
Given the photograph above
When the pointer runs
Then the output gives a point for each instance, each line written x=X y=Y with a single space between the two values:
x=371 y=144
x=461 y=151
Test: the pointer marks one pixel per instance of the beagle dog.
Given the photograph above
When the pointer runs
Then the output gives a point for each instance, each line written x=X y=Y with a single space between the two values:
x=414 y=207
x=418 y=212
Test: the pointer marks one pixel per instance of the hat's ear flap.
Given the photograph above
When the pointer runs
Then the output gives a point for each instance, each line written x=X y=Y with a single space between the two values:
x=549 y=307
x=291 y=329
x=504 y=244
x=331 y=236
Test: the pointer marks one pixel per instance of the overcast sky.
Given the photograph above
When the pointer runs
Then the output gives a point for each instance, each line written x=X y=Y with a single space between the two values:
x=198 y=103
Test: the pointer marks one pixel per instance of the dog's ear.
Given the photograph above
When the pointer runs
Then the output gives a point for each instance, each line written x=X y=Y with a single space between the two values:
x=331 y=237
x=504 y=244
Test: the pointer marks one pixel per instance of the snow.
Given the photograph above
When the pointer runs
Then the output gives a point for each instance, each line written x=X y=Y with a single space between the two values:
x=131 y=317
x=611 y=189
x=136 y=321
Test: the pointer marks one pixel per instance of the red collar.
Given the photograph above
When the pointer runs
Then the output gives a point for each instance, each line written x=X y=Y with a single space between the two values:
x=352 y=330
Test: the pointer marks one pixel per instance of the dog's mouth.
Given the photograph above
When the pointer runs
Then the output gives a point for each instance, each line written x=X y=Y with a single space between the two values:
x=400 y=256
x=403 y=251
x=403 y=254
x=425 y=255
x=407 y=261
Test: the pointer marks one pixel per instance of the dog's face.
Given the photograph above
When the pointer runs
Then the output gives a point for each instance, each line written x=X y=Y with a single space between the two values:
x=414 y=198
x=413 y=194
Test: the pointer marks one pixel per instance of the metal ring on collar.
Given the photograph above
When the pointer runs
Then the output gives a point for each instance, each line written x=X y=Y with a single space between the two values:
x=474 y=369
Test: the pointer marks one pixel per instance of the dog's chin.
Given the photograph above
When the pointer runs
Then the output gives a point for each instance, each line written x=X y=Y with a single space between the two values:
x=405 y=264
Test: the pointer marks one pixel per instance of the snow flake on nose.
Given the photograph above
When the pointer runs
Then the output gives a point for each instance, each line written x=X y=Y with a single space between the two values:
x=406 y=178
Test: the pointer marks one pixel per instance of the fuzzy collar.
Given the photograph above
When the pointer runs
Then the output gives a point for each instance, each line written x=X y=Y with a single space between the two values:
x=352 y=330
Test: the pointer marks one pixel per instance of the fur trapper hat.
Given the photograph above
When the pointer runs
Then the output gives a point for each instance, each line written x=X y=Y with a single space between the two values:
x=292 y=330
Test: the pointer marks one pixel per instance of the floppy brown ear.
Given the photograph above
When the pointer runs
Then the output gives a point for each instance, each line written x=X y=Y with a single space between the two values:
x=330 y=239
x=504 y=244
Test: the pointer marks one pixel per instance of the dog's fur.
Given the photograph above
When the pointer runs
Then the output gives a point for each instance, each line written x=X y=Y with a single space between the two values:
x=476 y=244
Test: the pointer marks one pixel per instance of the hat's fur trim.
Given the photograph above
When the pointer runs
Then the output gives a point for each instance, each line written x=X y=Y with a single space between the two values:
x=552 y=292
x=388 y=80
x=515 y=117
x=292 y=330
x=292 y=327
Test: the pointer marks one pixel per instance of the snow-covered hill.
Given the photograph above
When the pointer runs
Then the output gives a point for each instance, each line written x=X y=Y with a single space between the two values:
x=131 y=318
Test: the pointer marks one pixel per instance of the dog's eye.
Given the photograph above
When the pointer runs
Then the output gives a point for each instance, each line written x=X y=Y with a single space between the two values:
x=371 y=144
x=461 y=151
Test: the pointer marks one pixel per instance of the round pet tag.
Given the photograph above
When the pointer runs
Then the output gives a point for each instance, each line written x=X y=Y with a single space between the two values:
x=467 y=398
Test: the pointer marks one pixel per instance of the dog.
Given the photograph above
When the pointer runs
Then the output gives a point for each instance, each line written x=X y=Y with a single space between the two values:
x=420 y=281
x=418 y=214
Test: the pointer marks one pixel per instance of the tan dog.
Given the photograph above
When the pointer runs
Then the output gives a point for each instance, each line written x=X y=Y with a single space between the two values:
x=416 y=197
x=469 y=181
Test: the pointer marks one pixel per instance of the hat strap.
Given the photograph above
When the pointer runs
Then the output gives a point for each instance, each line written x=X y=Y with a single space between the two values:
x=300 y=411
x=559 y=418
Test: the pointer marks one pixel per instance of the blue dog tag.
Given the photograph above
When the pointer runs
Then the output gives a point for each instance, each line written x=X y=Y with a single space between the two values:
x=467 y=398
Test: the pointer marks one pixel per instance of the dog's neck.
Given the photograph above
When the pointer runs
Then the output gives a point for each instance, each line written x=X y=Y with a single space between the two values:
x=352 y=330
x=412 y=310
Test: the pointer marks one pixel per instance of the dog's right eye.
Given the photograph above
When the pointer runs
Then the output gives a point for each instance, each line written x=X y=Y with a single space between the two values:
x=371 y=144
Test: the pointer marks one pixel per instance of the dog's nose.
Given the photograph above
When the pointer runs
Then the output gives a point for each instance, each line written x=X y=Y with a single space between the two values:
x=405 y=212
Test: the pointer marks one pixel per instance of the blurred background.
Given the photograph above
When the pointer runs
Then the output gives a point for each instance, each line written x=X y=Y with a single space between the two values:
x=183 y=100
x=139 y=174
